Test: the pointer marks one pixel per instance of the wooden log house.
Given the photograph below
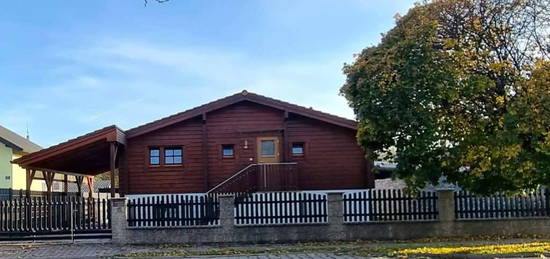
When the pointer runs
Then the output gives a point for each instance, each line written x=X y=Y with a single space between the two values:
x=242 y=143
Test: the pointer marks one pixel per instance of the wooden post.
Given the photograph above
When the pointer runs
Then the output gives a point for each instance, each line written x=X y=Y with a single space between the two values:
x=79 y=180
x=66 y=185
x=112 y=166
x=48 y=177
x=90 y=182
x=30 y=177
x=122 y=172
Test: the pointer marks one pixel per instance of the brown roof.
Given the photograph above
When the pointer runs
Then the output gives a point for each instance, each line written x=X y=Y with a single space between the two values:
x=72 y=155
x=239 y=97
x=17 y=142
x=88 y=154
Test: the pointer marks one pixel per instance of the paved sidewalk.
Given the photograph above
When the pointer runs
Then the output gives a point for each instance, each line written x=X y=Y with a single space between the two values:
x=104 y=249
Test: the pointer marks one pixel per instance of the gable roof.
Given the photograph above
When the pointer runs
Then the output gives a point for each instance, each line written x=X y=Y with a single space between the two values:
x=17 y=142
x=236 y=98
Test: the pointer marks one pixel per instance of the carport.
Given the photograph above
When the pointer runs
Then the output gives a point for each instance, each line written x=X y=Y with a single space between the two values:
x=75 y=160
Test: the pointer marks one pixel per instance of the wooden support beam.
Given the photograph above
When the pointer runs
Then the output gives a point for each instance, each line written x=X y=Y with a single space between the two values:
x=79 y=180
x=90 y=182
x=28 y=181
x=112 y=166
x=122 y=172
x=48 y=177
x=51 y=170
x=66 y=185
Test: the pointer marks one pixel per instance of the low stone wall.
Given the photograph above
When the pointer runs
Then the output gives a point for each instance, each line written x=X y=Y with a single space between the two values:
x=334 y=230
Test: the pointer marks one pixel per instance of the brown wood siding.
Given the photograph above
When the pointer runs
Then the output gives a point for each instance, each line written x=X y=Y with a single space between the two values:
x=332 y=160
x=143 y=178
x=236 y=124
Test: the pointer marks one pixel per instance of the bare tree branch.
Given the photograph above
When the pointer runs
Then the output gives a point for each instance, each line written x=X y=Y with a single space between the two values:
x=145 y=2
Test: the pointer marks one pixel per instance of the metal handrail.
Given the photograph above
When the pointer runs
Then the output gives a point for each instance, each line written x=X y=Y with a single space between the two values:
x=243 y=171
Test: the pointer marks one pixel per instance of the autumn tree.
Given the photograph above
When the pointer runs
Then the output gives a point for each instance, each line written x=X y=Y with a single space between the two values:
x=459 y=89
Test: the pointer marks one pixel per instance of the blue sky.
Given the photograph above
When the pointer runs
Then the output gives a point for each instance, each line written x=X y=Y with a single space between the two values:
x=70 y=67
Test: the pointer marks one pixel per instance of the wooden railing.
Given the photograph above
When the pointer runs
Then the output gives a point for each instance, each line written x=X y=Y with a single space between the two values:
x=261 y=177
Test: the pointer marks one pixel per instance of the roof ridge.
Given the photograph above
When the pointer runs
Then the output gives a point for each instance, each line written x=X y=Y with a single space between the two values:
x=244 y=95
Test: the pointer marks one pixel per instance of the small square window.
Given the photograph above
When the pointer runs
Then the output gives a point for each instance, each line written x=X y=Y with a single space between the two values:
x=154 y=156
x=267 y=148
x=298 y=149
x=173 y=156
x=228 y=150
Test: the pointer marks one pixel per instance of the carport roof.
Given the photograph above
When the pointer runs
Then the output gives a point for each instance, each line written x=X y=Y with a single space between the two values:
x=85 y=155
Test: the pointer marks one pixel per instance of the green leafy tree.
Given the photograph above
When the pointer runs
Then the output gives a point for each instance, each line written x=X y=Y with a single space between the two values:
x=459 y=89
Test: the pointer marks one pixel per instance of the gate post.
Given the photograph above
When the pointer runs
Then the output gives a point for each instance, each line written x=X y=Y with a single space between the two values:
x=119 y=222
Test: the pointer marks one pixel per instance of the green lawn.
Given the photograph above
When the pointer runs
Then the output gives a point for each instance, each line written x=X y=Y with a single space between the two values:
x=534 y=247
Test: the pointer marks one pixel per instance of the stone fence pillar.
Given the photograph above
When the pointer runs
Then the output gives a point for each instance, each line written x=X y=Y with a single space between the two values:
x=227 y=217
x=335 y=212
x=446 y=205
x=119 y=222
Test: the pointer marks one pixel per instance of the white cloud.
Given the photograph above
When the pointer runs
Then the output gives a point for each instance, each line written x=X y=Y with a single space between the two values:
x=130 y=82
x=165 y=71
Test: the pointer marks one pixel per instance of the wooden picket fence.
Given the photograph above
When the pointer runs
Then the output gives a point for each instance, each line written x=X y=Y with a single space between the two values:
x=389 y=205
x=469 y=206
x=281 y=208
x=173 y=210
x=52 y=215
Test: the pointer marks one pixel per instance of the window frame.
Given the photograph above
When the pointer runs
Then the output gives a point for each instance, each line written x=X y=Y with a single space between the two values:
x=303 y=149
x=162 y=156
x=173 y=156
x=149 y=156
x=223 y=148
x=274 y=148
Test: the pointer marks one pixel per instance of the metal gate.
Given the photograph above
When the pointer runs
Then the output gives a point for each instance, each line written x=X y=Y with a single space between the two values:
x=55 y=218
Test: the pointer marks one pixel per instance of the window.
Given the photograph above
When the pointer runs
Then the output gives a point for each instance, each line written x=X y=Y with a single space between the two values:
x=228 y=150
x=173 y=156
x=298 y=149
x=154 y=156
x=268 y=148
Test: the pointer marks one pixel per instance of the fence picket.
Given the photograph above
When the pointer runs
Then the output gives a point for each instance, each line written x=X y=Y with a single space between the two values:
x=50 y=215
x=173 y=210
x=500 y=206
x=281 y=208
x=388 y=205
